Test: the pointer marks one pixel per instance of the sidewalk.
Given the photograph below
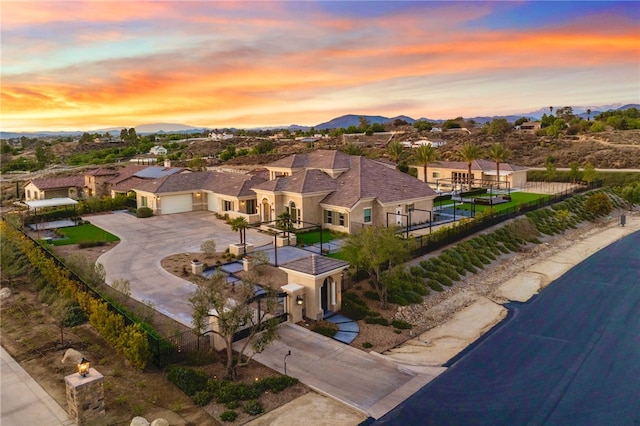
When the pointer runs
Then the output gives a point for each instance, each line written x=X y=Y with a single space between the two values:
x=23 y=401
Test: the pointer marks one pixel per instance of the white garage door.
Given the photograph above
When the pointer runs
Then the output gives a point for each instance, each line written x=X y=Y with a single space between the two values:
x=212 y=202
x=176 y=204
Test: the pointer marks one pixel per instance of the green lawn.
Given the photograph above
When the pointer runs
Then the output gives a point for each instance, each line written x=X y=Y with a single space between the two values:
x=84 y=233
x=313 y=237
x=517 y=198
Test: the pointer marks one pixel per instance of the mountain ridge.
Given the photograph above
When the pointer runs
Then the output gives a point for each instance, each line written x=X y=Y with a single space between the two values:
x=343 y=121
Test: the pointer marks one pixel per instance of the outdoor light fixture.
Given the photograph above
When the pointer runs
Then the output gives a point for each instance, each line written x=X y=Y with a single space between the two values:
x=83 y=367
x=299 y=300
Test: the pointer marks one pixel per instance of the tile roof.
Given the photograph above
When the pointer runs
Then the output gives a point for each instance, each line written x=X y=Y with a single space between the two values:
x=315 y=265
x=303 y=182
x=369 y=179
x=319 y=159
x=60 y=182
x=173 y=183
x=232 y=184
x=102 y=172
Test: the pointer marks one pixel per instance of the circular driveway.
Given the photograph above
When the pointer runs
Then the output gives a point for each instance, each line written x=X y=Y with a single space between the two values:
x=145 y=242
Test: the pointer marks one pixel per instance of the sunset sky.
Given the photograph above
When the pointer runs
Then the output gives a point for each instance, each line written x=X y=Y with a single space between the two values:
x=88 y=65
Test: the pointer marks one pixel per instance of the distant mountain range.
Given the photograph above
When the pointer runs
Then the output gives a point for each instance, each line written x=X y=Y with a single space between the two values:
x=338 y=122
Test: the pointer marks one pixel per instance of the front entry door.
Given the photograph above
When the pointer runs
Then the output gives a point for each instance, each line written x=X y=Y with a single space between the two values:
x=324 y=295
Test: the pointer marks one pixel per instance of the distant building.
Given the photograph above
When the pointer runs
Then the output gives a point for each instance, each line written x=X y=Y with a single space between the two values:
x=158 y=150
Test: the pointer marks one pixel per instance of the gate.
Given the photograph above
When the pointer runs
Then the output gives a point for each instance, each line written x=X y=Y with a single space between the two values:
x=281 y=315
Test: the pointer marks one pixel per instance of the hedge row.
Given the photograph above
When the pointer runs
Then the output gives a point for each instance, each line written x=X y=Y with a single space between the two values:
x=129 y=340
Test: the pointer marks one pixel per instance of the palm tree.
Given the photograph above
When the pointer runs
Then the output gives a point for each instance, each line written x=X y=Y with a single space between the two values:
x=238 y=224
x=500 y=154
x=424 y=155
x=394 y=149
x=588 y=114
x=469 y=153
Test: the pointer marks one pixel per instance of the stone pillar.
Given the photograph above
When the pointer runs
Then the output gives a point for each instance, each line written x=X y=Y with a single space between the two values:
x=217 y=341
x=197 y=267
x=85 y=397
x=295 y=293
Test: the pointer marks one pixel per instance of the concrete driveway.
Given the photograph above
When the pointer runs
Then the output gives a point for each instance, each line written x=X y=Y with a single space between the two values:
x=145 y=242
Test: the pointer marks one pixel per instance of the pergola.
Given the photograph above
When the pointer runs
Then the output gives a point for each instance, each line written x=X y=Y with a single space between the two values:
x=34 y=205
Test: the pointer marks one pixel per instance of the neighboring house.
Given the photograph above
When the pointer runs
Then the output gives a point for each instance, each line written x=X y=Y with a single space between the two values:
x=531 y=125
x=47 y=188
x=158 y=150
x=422 y=142
x=220 y=136
x=341 y=192
x=452 y=175
x=130 y=176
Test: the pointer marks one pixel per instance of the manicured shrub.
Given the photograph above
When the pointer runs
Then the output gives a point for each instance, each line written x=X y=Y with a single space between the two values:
x=401 y=324
x=189 y=380
x=444 y=280
x=377 y=320
x=325 y=328
x=253 y=407
x=228 y=416
x=435 y=285
x=143 y=212
x=202 y=398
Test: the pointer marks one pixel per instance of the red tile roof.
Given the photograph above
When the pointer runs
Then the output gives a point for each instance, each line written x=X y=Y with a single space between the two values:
x=58 y=183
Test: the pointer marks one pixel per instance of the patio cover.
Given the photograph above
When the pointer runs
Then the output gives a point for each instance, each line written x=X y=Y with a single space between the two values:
x=51 y=202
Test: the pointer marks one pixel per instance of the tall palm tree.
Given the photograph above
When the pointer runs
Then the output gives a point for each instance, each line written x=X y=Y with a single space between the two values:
x=424 y=155
x=394 y=150
x=588 y=114
x=500 y=154
x=469 y=153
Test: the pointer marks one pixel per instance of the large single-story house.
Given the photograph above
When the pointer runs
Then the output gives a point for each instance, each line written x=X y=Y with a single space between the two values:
x=452 y=175
x=61 y=187
x=339 y=191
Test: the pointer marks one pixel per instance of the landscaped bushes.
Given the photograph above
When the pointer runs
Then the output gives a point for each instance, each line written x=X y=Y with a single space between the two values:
x=202 y=389
x=129 y=340
x=143 y=212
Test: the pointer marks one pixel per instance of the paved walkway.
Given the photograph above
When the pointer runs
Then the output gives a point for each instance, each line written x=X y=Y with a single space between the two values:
x=365 y=381
x=23 y=401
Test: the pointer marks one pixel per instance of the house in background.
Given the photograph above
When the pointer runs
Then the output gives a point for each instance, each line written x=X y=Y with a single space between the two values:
x=62 y=187
x=452 y=175
x=158 y=150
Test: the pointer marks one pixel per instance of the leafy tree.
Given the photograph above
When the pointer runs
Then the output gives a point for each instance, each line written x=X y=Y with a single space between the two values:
x=85 y=138
x=424 y=155
x=550 y=165
x=598 y=126
x=547 y=120
x=364 y=123
x=631 y=193
x=376 y=249
x=377 y=128
x=499 y=127
x=264 y=147
x=235 y=314
x=599 y=204
x=423 y=125
x=521 y=120
x=239 y=224
x=399 y=122
x=588 y=114
x=574 y=171
x=565 y=113
x=469 y=153
x=198 y=163
x=500 y=154
x=208 y=247
x=589 y=174
x=394 y=150
x=451 y=124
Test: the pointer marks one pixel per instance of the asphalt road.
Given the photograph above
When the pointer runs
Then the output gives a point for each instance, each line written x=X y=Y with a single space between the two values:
x=571 y=356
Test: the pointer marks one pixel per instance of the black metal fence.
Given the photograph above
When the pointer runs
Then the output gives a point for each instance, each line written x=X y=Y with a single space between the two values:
x=162 y=351
x=442 y=238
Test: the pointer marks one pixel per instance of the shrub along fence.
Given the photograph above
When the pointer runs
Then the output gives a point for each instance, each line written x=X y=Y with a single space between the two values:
x=133 y=339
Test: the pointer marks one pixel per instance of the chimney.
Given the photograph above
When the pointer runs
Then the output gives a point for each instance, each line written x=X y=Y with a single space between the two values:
x=167 y=162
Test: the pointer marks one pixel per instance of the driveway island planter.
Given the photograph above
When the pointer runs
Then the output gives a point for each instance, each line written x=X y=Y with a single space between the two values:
x=239 y=249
